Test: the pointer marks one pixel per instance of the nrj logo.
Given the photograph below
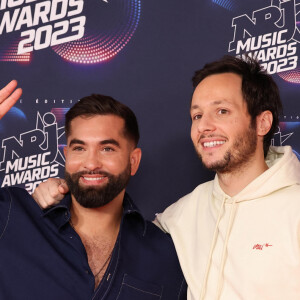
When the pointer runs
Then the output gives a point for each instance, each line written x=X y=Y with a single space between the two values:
x=33 y=156
x=271 y=35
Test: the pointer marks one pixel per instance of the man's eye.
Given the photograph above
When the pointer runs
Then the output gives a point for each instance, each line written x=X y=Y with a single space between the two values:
x=197 y=117
x=108 y=149
x=77 y=148
x=222 y=111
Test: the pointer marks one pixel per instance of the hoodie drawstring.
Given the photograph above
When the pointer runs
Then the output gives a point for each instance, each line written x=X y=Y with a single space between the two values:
x=205 y=278
x=224 y=252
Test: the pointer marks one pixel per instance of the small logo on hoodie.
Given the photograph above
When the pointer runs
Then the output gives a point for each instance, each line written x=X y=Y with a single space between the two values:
x=261 y=246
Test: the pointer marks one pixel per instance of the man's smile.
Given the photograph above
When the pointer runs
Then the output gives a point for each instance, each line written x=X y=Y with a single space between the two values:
x=94 y=179
x=212 y=144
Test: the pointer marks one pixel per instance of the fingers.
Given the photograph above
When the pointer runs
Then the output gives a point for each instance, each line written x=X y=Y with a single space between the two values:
x=63 y=187
x=8 y=97
x=50 y=192
x=7 y=90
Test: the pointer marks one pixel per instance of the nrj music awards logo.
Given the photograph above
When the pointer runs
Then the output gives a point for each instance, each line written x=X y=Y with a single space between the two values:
x=33 y=156
x=79 y=31
x=271 y=35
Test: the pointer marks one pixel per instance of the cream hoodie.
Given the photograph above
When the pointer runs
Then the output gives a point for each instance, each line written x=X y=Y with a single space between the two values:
x=246 y=246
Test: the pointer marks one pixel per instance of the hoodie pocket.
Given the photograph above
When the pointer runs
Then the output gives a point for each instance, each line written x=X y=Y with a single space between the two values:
x=136 y=289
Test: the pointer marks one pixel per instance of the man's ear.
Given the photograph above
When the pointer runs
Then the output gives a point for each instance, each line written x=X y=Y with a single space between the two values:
x=65 y=151
x=264 y=123
x=135 y=158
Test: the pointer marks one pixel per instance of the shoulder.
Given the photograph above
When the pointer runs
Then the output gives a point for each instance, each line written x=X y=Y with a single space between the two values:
x=8 y=197
x=143 y=236
x=15 y=200
x=186 y=204
x=13 y=192
x=158 y=236
x=16 y=195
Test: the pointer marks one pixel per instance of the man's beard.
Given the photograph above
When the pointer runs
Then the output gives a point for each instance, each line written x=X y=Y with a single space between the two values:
x=93 y=197
x=238 y=155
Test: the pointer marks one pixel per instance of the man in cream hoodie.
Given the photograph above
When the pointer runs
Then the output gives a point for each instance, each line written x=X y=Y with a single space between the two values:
x=238 y=236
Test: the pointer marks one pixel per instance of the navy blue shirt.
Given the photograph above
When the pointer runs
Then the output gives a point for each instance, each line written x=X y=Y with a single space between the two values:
x=42 y=257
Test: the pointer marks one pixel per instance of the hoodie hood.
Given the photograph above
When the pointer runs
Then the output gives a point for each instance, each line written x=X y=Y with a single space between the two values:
x=278 y=159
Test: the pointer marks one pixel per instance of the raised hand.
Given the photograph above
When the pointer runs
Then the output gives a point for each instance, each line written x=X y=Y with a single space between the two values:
x=50 y=192
x=9 y=95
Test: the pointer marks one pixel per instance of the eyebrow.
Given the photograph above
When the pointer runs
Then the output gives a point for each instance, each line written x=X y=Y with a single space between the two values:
x=110 y=141
x=216 y=102
x=76 y=141
x=104 y=142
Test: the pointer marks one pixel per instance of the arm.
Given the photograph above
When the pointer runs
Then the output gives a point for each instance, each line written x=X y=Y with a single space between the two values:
x=8 y=97
x=50 y=192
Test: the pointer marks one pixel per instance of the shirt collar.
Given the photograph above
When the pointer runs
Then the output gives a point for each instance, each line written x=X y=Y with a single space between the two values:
x=131 y=210
x=60 y=213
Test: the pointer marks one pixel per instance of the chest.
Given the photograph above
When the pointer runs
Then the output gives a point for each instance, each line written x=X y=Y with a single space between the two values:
x=99 y=251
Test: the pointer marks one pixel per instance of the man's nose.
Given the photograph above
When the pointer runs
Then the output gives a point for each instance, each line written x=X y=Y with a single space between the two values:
x=93 y=161
x=206 y=123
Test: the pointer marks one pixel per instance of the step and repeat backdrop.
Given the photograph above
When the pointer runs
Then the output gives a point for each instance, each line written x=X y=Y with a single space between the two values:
x=144 y=54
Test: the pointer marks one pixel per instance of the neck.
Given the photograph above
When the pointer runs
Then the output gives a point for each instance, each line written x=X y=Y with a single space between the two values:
x=235 y=181
x=103 y=220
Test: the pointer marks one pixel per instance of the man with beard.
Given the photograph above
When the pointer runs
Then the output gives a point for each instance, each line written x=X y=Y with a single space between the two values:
x=94 y=244
x=237 y=237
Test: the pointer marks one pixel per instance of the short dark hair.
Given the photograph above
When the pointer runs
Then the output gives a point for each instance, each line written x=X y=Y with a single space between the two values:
x=258 y=88
x=97 y=104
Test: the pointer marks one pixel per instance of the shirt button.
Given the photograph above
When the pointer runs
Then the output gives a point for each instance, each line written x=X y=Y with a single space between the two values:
x=87 y=271
x=71 y=237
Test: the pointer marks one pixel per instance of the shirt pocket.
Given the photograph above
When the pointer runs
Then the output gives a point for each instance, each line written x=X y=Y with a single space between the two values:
x=136 y=289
